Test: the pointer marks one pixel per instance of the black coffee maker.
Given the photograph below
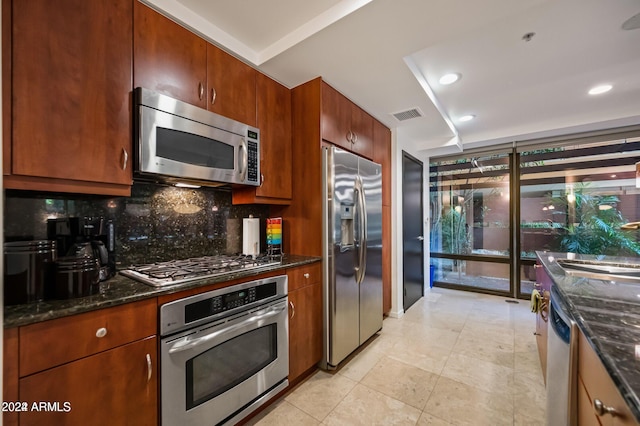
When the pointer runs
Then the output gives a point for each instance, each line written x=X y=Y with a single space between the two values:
x=85 y=237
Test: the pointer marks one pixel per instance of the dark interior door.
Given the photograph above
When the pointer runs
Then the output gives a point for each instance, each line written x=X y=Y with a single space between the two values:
x=412 y=230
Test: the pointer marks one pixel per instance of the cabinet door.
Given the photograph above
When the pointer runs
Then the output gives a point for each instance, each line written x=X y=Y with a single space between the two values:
x=10 y=374
x=543 y=285
x=274 y=122
x=362 y=128
x=336 y=117
x=231 y=86
x=386 y=259
x=305 y=329
x=382 y=155
x=115 y=387
x=168 y=58
x=598 y=385
x=72 y=90
x=541 y=337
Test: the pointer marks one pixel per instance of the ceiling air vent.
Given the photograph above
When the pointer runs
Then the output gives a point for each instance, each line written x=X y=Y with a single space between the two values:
x=408 y=114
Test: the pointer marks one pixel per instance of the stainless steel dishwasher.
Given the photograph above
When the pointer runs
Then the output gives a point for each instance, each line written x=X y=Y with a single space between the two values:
x=562 y=368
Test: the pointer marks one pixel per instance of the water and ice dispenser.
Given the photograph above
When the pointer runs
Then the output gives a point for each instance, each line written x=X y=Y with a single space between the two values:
x=346 y=225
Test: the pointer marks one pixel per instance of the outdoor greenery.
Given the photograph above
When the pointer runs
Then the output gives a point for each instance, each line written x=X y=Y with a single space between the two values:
x=592 y=229
x=456 y=237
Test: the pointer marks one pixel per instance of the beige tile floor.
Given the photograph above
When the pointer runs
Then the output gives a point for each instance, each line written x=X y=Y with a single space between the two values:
x=454 y=358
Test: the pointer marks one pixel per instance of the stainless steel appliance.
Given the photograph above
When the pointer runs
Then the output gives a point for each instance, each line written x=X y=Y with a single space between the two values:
x=562 y=368
x=178 y=142
x=223 y=353
x=181 y=271
x=352 y=247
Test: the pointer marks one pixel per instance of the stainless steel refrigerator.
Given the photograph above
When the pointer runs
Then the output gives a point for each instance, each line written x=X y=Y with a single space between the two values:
x=352 y=253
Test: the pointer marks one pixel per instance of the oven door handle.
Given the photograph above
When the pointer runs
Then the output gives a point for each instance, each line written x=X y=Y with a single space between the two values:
x=186 y=343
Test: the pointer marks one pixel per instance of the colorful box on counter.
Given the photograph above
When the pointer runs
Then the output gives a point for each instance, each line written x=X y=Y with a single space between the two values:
x=274 y=236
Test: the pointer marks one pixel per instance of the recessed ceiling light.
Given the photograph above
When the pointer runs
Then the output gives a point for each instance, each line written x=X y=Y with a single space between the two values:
x=597 y=90
x=467 y=117
x=449 y=78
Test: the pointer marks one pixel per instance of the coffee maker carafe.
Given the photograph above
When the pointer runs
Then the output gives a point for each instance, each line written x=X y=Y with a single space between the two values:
x=85 y=237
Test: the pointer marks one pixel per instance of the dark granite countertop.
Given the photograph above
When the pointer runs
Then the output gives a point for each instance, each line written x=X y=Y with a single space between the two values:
x=608 y=313
x=120 y=290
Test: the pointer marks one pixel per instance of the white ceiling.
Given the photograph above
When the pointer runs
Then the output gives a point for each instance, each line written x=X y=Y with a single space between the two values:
x=387 y=56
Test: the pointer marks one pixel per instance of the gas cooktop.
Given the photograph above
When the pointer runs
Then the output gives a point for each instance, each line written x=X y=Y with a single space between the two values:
x=181 y=271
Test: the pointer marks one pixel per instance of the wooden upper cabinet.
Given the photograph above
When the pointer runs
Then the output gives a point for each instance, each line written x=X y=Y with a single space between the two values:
x=231 y=86
x=362 y=128
x=382 y=155
x=274 y=122
x=345 y=124
x=168 y=58
x=71 y=91
x=336 y=117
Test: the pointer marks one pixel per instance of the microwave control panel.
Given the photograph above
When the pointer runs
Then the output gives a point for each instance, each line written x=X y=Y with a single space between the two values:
x=253 y=165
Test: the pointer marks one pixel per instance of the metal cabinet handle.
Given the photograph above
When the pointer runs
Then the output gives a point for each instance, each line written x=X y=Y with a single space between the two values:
x=536 y=334
x=306 y=275
x=261 y=179
x=200 y=90
x=420 y=238
x=214 y=95
x=293 y=309
x=149 y=368
x=601 y=409
x=537 y=265
x=355 y=138
x=101 y=332
x=125 y=159
x=537 y=285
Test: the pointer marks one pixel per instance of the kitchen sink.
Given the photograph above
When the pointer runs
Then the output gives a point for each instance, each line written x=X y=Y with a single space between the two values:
x=601 y=269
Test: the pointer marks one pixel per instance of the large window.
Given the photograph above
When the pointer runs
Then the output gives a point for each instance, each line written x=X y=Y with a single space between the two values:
x=470 y=221
x=567 y=197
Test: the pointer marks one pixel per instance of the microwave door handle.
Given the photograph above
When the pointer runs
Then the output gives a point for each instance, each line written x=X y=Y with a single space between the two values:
x=186 y=343
x=244 y=160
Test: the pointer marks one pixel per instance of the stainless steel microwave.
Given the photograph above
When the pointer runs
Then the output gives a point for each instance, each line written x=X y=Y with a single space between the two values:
x=180 y=143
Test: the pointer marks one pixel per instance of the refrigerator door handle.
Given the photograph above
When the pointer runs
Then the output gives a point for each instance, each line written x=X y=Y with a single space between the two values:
x=362 y=252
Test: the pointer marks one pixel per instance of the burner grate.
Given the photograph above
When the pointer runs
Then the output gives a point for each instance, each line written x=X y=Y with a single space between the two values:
x=179 y=271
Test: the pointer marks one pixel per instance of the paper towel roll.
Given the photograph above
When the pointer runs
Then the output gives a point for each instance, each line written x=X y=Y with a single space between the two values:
x=251 y=236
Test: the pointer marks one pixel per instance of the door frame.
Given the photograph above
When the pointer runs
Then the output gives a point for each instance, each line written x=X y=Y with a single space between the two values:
x=407 y=156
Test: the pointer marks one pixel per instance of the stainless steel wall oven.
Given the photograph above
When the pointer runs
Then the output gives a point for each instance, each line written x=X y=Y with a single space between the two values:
x=223 y=353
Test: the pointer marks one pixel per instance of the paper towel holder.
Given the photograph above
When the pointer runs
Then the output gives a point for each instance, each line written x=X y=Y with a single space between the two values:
x=251 y=236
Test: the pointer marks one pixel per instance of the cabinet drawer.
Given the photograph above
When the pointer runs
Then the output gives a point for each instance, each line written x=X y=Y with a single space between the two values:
x=51 y=343
x=599 y=385
x=304 y=275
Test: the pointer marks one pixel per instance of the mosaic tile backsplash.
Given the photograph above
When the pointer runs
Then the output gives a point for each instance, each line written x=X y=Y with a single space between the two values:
x=157 y=223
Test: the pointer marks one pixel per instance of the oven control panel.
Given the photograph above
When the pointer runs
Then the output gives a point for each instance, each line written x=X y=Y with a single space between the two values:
x=217 y=304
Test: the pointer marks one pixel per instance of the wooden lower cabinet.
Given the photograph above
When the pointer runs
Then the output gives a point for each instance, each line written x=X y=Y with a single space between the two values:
x=118 y=386
x=543 y=285
x=98 y=367
x=305 y=328
x=386 y=259
x=595 y=384
x=10 y=375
